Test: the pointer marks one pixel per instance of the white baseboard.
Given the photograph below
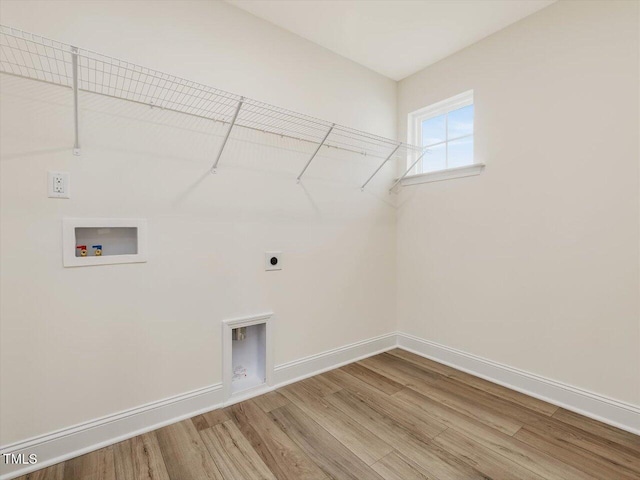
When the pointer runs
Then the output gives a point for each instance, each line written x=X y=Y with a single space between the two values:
x=607 y=410
x=308 y=366
x=86 y=437
x=71 y=442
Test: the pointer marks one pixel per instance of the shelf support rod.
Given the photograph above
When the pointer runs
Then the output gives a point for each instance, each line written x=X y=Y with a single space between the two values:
x=381 y=165
x=74 y=70
x=316 y=152
x=226 y=137
x=408 y=170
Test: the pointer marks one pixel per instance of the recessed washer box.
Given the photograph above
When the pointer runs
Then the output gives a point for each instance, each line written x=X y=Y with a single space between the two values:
x=107 y=241
x=247 y=359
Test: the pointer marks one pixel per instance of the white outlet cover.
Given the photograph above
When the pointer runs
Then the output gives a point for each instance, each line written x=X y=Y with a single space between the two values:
x=269 y=262
x=59 y=185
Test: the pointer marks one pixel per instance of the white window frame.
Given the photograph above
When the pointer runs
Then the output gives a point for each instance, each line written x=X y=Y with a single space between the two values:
x=415 y=120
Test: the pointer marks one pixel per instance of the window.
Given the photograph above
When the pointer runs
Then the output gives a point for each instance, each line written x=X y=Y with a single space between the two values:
x=445 y=129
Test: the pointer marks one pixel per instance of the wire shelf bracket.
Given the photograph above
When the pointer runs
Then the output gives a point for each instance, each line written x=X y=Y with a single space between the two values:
x=408 y=170
x=226 y=137
x=32 y=56
x=381 y=165
x=76 y=121
x=316 y=152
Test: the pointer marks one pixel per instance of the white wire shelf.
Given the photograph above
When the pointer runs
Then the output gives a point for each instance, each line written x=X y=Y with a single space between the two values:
x=35 y=57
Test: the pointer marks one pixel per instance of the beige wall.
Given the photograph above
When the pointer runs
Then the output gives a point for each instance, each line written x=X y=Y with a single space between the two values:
x=214 y=43
x=81 y=343
x=534 y=263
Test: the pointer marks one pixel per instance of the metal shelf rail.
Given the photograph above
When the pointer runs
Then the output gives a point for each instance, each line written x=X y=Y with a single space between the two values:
x=35 y=57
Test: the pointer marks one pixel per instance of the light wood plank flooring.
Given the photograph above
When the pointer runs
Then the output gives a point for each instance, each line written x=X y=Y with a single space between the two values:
x=395 y=416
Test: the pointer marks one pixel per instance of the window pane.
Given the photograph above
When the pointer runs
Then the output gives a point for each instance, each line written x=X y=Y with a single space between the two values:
x=460 y=122
x=460 y=152
x=435 y=159
x=433 y=130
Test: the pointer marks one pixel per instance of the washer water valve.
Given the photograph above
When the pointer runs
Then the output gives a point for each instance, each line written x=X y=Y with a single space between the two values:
x=97 y=250
x=83 y=250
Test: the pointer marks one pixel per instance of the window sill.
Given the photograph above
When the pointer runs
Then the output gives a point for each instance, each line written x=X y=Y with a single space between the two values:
x=448 y=174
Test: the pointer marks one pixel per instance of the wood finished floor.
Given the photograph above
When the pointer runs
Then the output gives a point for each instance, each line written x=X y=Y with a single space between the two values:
x=395 y=416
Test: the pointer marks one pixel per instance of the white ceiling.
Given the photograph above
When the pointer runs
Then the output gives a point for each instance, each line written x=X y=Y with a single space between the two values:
x=393 y=37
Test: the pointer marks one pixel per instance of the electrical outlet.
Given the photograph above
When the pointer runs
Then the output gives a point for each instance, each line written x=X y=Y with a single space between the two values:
x=273 y=261
x=59 y=185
